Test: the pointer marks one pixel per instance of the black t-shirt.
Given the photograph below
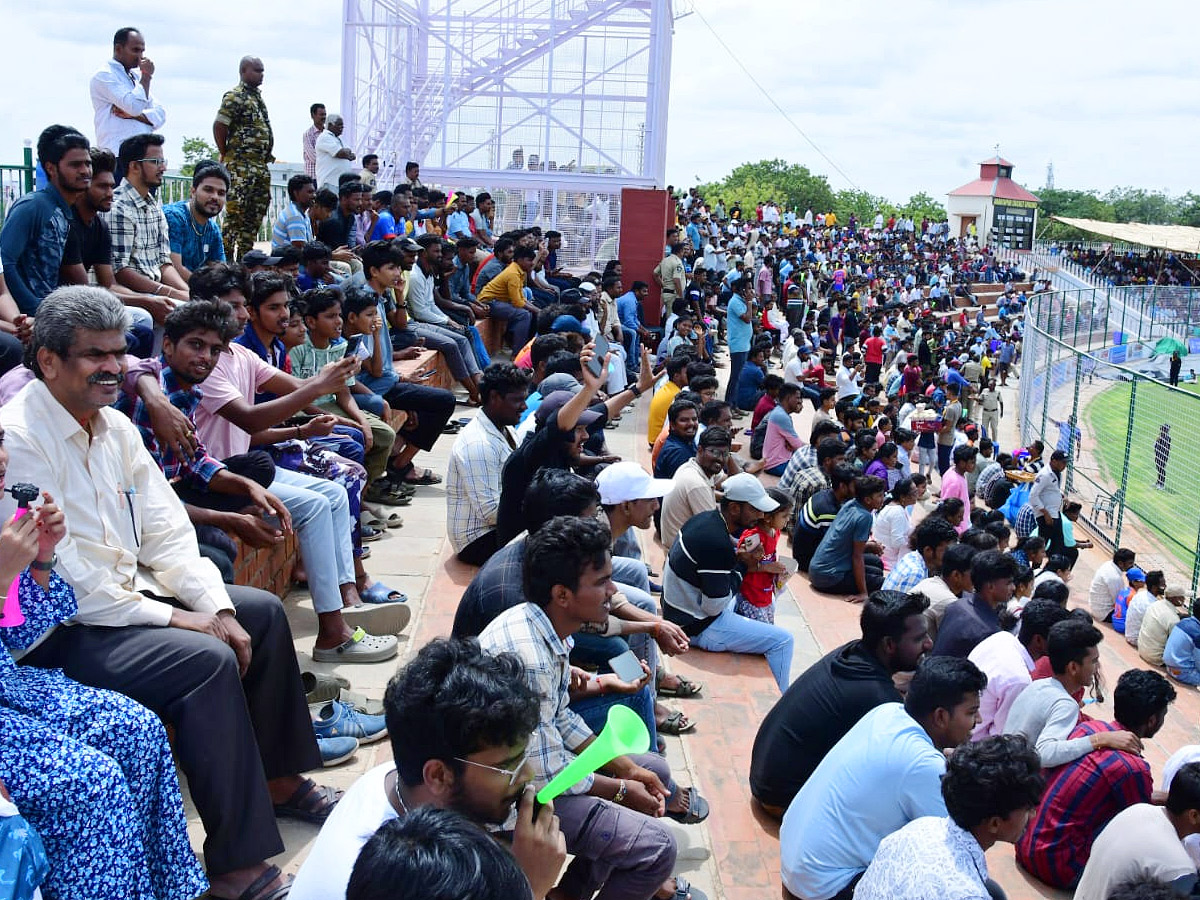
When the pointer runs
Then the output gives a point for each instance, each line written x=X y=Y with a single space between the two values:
x=812 y=715
x=496 y=587
x=545 y=448
x=336 y=231
x=88 y=244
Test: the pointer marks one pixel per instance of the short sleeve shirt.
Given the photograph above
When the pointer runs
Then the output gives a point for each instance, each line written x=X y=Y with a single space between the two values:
x=244 y=113
x=239 y=373
x=833 y=558
x=90 y=245
x=195 y=246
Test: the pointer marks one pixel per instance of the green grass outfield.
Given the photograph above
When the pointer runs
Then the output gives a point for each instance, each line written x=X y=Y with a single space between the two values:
x=1174 y=514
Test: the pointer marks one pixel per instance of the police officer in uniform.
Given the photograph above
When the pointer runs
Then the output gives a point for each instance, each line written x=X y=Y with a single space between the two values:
x=242 y=131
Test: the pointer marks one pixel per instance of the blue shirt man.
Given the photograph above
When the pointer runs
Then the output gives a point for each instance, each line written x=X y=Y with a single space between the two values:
x=884 y=773
x=458 y=225
x=31 y=246
x=749 y=385
x=693 y=233
x=195 y=245
x=627 y=311
x=738 y=333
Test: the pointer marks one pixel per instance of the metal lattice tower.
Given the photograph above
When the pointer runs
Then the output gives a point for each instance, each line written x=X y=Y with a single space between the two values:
x=579 y=87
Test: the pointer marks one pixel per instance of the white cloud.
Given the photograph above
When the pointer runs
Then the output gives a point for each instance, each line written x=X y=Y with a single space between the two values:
x=904 y=96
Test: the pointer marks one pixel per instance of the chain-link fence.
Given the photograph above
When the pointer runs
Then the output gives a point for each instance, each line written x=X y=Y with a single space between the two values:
x=1101 y=394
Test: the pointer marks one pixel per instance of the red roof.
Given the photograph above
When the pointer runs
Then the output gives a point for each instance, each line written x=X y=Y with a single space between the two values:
x=1000 y=188
x=996 y=161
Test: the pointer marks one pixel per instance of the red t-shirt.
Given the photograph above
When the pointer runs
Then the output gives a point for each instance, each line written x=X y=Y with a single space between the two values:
x=816 y=373
x=759 y=587
x=874 y=350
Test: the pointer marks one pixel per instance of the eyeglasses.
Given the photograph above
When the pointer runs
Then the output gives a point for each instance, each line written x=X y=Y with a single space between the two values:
x=153 y=160
x=512 y=773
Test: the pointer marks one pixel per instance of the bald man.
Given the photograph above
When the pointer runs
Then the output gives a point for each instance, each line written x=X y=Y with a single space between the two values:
x=242 y=131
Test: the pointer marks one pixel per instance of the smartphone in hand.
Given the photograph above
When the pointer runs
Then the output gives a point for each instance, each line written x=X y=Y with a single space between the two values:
x=600 y=350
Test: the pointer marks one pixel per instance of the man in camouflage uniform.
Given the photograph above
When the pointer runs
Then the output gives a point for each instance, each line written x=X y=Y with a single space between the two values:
x=242 y=131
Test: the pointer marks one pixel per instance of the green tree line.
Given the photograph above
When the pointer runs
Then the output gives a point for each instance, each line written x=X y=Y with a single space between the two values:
x=1120 y=204
x=793 y=186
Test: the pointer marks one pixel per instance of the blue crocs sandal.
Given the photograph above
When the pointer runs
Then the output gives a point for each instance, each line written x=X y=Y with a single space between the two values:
x=381 y=593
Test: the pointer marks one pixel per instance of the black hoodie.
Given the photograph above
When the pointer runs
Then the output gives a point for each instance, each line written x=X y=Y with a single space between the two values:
x=812 y=715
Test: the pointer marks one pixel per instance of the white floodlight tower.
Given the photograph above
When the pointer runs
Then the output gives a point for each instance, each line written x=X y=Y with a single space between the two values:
x=553 y=106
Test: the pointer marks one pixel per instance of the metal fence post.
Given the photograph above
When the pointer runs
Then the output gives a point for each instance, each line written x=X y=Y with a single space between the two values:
x=1072 y=425
x=1133 y=386
x=28 y=162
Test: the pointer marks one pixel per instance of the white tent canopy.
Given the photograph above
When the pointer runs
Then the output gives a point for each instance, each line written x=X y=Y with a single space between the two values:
x=1178 y=238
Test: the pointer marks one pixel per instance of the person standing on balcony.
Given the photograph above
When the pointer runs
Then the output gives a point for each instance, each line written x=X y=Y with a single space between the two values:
x=317 y=111
x=242 y=130
x=121 y=98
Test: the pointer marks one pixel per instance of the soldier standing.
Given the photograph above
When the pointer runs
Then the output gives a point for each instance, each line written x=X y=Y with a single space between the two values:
x=242 y=131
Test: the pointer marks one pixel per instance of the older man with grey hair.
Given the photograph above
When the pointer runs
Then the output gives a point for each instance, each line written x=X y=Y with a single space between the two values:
x=155 y=621
x=334 y=159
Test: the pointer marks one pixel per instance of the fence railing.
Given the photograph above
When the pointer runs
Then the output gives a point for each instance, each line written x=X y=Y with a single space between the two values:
x=1104 y=398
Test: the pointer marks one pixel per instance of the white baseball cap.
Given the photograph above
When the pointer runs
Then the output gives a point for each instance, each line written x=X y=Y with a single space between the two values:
x=626 y=480
x=745 y=488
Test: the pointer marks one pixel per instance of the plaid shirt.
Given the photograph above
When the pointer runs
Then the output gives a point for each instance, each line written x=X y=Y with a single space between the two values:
x=473 y=480
x=526 y=631
x=201 y=467
x=140 y=237
x=909 y=572
x=802 y=478
x=1081 y=798
x=1026 y=522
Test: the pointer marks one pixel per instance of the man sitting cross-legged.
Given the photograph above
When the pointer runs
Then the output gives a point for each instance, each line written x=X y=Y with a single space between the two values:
x=608 y=818
x=460 y=723
x=154 y=620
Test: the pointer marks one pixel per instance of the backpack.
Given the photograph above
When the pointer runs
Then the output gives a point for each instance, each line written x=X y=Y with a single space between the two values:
x=757 y=439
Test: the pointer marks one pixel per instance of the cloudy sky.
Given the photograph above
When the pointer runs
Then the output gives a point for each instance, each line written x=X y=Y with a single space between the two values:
x=903 y=97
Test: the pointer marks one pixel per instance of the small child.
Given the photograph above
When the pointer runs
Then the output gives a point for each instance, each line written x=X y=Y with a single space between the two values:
x=1126 y=604
x=759 y=588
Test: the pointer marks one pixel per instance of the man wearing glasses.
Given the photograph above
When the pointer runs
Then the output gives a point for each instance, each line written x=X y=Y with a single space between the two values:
x=460 y=721
x=141 y=240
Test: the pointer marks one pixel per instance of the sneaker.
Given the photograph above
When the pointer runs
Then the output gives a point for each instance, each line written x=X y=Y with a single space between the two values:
x=378 y=618
x=361 y=648
x=340 y=720
x=336 y=750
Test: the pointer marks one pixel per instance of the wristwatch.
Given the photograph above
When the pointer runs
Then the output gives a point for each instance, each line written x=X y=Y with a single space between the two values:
x=46 y=566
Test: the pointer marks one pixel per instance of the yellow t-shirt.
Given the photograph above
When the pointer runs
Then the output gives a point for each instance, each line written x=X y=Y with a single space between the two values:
x=507 y=286
x=658 y=409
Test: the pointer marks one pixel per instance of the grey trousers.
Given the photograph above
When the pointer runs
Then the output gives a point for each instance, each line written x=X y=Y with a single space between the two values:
x=621 y=852
x=232 y=734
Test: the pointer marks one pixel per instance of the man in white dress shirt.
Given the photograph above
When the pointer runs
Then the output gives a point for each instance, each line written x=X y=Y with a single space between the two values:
x=121 y=96
x=334 y=159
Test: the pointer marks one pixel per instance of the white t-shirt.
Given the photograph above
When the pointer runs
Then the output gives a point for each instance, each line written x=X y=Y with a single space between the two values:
x=792 y=370
x=1139 y=842
x=1106 y=584
x=1179 y=759
x=358 y=815
x=847 y=383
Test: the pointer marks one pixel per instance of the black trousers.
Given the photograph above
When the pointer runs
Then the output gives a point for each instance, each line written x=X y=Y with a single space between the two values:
x=257 y=465
x=232 y=734
x=480 y=550
x=433 y=406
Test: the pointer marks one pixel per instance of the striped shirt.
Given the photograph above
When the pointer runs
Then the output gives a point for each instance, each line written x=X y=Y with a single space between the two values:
x=140 y=237
x=292 y=225
x=909 y=572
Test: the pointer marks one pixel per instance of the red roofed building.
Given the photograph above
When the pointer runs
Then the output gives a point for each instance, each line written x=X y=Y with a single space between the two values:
x=994 y=208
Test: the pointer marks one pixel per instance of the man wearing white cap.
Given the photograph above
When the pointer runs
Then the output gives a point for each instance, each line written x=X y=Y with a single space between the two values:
x=704 y=573
x=630 y=497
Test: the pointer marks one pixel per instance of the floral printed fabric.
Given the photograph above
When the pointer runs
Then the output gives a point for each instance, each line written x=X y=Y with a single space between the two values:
x=91 y=770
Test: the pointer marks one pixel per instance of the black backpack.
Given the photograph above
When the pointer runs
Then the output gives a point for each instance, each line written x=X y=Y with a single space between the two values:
x=757 y=439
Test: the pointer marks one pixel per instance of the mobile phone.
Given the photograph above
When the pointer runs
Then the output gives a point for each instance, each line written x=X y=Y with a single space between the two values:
x=627 y=667
x=600 y=349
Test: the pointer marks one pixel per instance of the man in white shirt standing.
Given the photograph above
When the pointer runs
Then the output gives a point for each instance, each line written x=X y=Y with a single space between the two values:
x=334 y=159
x=121 y=98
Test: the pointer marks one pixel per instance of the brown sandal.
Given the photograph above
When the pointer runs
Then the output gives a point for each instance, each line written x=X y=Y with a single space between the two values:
x=310 y=803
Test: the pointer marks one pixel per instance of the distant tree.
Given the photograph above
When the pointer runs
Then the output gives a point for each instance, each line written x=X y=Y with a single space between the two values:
x=1139 y=205
x=862 y=204
x=195 y=150
x=922 y=206
x=789 y=185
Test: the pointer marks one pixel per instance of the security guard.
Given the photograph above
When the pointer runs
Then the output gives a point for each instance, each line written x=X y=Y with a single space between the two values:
x=242 y=131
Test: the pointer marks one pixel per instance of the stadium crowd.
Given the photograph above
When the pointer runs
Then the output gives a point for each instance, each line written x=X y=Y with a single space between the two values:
x=165 y=406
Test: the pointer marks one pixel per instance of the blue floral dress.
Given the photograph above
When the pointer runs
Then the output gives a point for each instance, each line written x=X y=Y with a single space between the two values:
x=91 y=771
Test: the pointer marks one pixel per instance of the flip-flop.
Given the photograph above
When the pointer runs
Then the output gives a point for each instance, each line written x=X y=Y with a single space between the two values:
x=310 y=803
x=369 y=533
x=385 y=518
x=381 y=593
x=685 y=891
x=258 y=886
x=675 y=725
x=697 y=810
x=685 y=688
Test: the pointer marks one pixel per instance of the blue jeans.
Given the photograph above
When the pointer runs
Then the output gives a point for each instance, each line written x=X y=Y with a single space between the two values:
x=372 y=403
x=481 y=354
x=320 y=513
x=737 y=359
x=594 y=711
x=737 y=634
x=778 y=470
x=344 y=441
